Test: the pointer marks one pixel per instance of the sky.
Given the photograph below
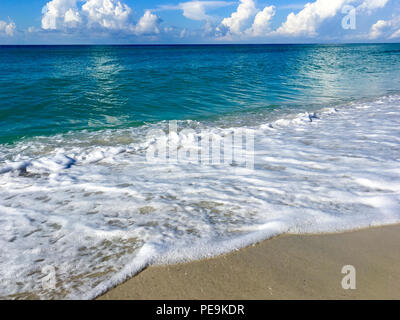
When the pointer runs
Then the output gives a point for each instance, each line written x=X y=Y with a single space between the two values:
x=221 y=21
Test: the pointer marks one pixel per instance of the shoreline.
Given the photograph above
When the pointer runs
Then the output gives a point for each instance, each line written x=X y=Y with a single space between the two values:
x=284 y=267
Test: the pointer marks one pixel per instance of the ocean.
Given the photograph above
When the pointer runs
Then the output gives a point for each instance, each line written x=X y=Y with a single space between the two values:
x=83 y=208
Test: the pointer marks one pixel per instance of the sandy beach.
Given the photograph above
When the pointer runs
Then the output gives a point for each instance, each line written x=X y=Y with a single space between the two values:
x=286 y=267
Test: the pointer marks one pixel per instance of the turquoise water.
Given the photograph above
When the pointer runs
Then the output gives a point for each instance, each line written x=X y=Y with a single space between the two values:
x=82 y=201
x=46 y=90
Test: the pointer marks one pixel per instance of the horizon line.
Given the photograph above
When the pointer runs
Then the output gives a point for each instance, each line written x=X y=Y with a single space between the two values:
x=202 y=44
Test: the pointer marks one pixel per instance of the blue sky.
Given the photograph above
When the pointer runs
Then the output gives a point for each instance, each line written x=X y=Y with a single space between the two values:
x=221 y=21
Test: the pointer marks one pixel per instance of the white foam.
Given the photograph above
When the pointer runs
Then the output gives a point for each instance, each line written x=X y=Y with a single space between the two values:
x=91 y=206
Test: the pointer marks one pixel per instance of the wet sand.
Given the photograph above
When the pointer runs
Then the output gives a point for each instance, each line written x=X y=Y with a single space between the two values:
x=286 y=267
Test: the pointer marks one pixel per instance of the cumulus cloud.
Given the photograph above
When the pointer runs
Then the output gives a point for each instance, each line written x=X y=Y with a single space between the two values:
x=247 y=21
x=111 y=15
x=307 y=21
x=196 y=10
x=377 y=29
x=240 y=19
x=148 y=24
x=370 y=5
x=7 y=29
x=55 y=11
x=395 y=35
x=262 y=22
x=107 y=14
x=389 y=29
x=72 y=18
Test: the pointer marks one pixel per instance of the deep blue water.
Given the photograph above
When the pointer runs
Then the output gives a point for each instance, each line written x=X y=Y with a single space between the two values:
x=46 y=90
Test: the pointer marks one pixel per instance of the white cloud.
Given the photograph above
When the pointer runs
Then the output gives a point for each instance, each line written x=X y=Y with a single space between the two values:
x=262 y=22
x=54 y=13
x=370 y=5
x=113 y=15
x=240 y=19
x=386 y=29
x=107 y=14
x=148 y=24
x=72 y=18
x=307 y=21
x=377 y=29
x=247 y=21
x=7 y=29
x=196 y=10
x=395 y=35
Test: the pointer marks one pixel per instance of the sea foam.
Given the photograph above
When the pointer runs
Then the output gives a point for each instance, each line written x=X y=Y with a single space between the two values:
x=90 y=205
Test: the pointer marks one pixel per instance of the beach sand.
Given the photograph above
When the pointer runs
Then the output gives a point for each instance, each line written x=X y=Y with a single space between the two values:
x=286 y=267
